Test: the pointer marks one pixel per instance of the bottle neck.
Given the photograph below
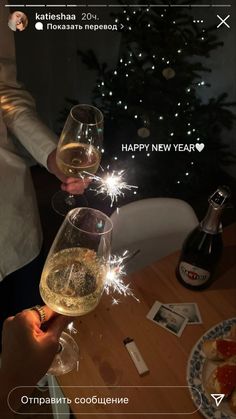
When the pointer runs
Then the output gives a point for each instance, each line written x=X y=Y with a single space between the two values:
x=211 y=223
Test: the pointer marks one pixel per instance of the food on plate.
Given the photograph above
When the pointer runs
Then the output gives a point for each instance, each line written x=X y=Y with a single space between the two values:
x=232 y=401
x=223 y=378
x=219 y=349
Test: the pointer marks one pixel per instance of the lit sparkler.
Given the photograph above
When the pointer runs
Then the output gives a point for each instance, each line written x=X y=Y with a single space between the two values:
x=114 y=280
x=116 y=273
x=112 y=184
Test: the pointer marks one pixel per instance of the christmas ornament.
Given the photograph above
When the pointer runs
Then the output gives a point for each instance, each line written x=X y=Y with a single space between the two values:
x=168 y=73
x=143 y=132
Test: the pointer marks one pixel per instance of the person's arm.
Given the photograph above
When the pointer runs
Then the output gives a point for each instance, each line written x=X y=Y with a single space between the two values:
x=17 y=105
x=27 y=353
x=20 y=115
x=21 y=118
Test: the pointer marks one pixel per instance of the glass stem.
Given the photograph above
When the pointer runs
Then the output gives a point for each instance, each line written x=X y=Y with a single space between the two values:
x=70 y=200
x=59 y=349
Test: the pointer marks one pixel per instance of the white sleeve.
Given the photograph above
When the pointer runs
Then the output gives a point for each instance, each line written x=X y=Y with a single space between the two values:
x=17 y=105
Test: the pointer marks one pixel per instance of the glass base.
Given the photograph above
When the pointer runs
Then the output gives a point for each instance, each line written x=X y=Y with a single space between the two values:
x=67 y=357
x=63 y=202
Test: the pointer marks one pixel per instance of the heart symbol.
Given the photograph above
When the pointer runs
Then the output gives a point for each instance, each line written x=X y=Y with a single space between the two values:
x=200 y=147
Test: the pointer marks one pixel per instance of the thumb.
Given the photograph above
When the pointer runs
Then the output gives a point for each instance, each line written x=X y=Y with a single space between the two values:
x=58 y=325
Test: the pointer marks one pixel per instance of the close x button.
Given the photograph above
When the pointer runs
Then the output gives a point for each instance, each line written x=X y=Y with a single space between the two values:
x=223 y=21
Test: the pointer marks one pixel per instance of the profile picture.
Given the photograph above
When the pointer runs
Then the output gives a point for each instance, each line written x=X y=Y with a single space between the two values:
x=18 y=21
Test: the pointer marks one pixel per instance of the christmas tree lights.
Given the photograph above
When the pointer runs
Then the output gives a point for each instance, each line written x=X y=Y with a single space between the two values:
x=154 y=92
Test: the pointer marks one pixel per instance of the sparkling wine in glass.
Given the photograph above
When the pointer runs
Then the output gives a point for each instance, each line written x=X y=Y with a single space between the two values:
x=74 y=275
x=78 y=152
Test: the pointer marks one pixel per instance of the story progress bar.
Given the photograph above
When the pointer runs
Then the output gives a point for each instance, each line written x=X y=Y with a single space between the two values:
x=121 y=6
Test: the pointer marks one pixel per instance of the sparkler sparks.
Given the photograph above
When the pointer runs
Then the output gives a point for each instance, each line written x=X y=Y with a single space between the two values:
x=114 y=278
x=115 y=301
x=112 y=184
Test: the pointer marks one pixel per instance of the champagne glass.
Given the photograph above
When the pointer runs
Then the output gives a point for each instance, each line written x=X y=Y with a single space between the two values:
x=74 y=274
x=78 y=152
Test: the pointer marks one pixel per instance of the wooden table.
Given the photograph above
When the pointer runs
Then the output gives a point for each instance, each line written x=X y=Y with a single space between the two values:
x=104 y=361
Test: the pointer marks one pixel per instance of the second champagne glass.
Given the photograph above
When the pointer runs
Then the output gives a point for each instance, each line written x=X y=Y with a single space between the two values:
x=78 y=152
x=74 y=275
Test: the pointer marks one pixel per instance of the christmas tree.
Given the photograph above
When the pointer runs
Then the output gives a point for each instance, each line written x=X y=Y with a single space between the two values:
x=153 y=96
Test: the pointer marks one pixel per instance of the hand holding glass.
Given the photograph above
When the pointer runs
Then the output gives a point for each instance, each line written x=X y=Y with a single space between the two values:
x=74 y=275
x=78 y=151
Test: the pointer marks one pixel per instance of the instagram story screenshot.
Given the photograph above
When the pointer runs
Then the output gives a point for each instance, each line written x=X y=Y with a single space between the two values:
x=117 y=209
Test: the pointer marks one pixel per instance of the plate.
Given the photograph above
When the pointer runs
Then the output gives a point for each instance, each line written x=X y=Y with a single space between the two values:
x=199 y=368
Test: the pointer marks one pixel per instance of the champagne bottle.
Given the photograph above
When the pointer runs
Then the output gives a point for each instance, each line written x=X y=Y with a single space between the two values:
x=203 y=246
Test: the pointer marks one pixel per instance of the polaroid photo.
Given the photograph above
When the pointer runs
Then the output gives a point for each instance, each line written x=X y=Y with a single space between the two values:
x=167 y=318
x=189 y=310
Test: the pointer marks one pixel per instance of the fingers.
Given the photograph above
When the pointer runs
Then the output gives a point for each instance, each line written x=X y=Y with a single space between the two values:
x=73 y=189
x=8 y=321
x=85 y=181
x=58 y=325
x=49 y=314
x=33 y=315
x=75 y=186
